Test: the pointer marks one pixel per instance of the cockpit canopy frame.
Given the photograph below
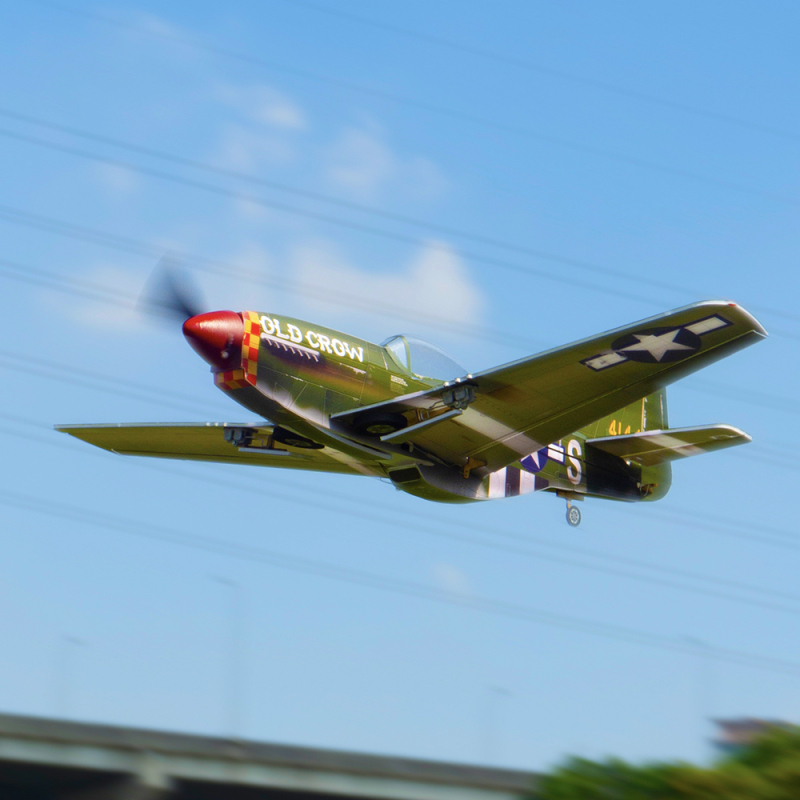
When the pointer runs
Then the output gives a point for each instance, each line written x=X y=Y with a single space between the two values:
x=422 y=358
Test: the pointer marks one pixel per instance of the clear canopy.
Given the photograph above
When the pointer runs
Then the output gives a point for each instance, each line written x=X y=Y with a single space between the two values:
x=423 y=358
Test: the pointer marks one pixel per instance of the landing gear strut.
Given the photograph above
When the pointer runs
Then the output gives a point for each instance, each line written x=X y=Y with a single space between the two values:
x=573 y=514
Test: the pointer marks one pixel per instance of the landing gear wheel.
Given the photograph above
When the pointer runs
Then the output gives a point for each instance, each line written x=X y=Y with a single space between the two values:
x=380 y=424
x=573 y=516
x=285 y=436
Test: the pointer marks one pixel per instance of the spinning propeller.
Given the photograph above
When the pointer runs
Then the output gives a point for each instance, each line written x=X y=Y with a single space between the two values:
x=216 y=336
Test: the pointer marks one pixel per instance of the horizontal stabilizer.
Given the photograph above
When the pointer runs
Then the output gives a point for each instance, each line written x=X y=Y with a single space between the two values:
x=655 y=447
x=237 y=443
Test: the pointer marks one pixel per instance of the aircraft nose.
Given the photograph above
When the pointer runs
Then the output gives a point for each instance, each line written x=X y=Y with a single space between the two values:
x=216 y=337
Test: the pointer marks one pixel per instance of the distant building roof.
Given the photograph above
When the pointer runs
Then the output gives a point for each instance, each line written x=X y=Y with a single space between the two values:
x=737 y=733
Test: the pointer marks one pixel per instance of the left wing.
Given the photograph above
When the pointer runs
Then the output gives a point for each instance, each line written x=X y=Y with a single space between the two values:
x=218 y=441
x=518 y=408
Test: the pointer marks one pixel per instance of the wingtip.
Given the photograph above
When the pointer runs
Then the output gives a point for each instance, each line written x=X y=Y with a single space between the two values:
x=757 y=327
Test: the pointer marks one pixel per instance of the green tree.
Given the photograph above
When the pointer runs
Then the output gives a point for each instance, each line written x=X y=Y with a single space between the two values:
x=769 y=769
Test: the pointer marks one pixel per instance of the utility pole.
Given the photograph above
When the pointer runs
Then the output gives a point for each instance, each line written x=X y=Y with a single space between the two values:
x=706 y=704
x=234 y=646
x=494 y=697
x=63 y=677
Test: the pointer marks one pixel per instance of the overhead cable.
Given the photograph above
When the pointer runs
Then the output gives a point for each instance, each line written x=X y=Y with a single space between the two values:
x=461 y=116
x=84 y=288
x=544 y=69
x=521 y=546
x=434 y=227
x=364 y=578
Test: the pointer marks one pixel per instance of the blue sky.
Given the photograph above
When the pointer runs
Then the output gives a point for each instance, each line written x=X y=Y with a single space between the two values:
x=497 y=179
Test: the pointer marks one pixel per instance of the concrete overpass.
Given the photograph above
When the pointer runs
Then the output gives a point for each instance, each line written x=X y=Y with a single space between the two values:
x=43 y=759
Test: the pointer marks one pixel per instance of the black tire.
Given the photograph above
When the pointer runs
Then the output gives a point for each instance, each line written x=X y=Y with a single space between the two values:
x=573 y=516
x=380 y=423
x=285 y=436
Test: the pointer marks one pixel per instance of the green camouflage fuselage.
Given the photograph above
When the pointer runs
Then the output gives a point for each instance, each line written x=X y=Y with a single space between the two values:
x=304 y=374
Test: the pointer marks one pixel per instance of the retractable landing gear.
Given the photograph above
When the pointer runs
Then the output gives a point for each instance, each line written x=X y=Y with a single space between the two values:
x=573 y=514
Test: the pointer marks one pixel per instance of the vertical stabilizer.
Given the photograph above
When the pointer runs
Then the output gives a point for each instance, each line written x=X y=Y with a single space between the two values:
x=647 y=414
x=654 y=411
x=655 y=418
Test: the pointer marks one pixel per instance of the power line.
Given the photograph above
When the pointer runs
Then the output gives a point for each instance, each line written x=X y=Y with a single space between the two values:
x=425 y=224
x=79 y=376
x=371 y=580
x=24 y=273
x=320 y=217
x=513 y=61
x=513 y=536
x=15 y=215
x=713 y=522
x=515 y=549
x=372 y=230
x=798 y=665
x=321 y=197
x=522 y=546
x=461 y=116
x=95 y=291
x=783 y=461
x=435 y=529
x=765 y=399
x=353 y=206
x=82 y=288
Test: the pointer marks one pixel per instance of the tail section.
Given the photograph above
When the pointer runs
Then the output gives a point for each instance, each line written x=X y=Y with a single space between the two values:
x=650 y=481
x=639 y=435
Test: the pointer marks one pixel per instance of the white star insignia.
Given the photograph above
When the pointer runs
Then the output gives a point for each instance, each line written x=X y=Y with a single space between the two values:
x=657 y=346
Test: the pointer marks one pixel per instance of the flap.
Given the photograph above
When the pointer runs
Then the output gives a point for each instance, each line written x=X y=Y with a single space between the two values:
x=655 y=447
x=238 y=443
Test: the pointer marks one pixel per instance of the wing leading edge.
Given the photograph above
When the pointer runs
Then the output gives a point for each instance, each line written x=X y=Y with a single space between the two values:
x=231 y=443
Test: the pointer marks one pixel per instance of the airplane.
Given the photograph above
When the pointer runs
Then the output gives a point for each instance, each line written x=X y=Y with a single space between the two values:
x=588 y=419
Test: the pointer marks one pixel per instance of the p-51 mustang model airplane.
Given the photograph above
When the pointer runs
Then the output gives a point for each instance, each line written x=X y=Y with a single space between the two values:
x=586 y=419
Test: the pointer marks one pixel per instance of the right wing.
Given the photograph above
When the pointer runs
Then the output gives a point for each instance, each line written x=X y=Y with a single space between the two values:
x=514 y=410
x=217 y=441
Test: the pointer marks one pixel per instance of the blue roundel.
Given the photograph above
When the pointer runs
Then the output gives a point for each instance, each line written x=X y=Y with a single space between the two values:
x=536 y=461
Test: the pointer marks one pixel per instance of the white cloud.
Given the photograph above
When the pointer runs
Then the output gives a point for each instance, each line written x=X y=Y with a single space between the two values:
x=116 y=180
x=177 y=42
x=116 y=291
x=273 y=108
x=360 y=162
x=244 y=149
x=160 y=27
x=240 y=289
x=452 y=579
x=264 y=105
x=435 y=284
x=363 y=164
x=264 y=133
